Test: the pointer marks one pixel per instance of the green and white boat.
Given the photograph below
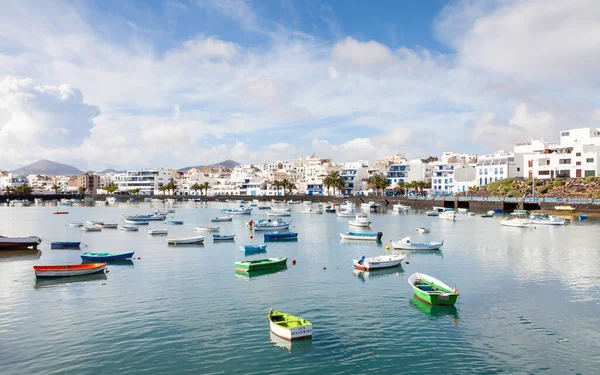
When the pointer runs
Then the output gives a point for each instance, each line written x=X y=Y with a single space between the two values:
x=288 y=326
x=260 y=264
x=432 y=290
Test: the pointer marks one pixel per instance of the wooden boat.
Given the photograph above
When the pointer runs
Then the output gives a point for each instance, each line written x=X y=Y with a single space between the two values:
x=361 y=236
x=207 y=229
x=253 y=249
x=260 y=264
x=155 y=216
x=407 y=244
x=564 y=208
x=288 y=326
x=107 y=225
x=279 y=213
x=65 y=245
x=432 y=290
x=75 y=224
x=266 y=225
x=361 y=221
x=129 y=228
x=264 y=207
x=448 y=215
x=221 y=218
x=68 y=270
x=294 y=202
x=136 y=221
x=157 y=231
x=223 y=237
x=422 y=230
x=281 y=236
x=185 y=241
x=90 y=229
x=175 y=222
x=61 y=213
x=382 y=261
x=106 y=257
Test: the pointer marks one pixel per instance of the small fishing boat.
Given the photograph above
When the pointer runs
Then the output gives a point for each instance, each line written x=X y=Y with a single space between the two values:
x=252 y=249
x=407 y=244
x=346 y=213
x=432 y=290
x=489 y=214
x=282 y=209
x=61 y=213
x=136 y=222
x=436 y=211
x=106 y=257
x=264 y=207
x=75 y=224
x=564 y=208
x=185 y=241
x=378 y=262
x=330 y=209
x=90 y=229
x=7 y=243
x=238 y=211
x=518 y=219
x=294 y=202
x=313 y=210
x=448 y=215
x=38 y=200
x=221 y=218
x=68 y=270
x=223 y=237
x=260 y=264
x=157 y=231
x=155 y=216
x=422 y=230
x=92 y=222
x=547 y=220
x=281 y=236
x=207 y=229
x=361 y=236
x=65 y=203
x=129 y=228
x=288 y=326
x=400 y=208
x=361 y=221
x=267 y=225
x=107 y=225
x=175 y=222
x=279 y=213
x=65 y=245
x=471 y=213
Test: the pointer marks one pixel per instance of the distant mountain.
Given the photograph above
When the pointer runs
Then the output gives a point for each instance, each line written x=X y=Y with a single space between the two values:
x=227 y=163
x=110 y=170
x=48 y=167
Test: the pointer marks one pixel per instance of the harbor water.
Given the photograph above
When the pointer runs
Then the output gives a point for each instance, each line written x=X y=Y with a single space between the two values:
x=529 y=298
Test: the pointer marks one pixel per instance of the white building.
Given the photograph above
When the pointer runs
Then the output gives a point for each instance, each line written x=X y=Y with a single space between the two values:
x=408 y=171
x=498 y=166
x=149 y=181
x=355 y=175
x=11 y=180
x=451 y=178
x=455 y=158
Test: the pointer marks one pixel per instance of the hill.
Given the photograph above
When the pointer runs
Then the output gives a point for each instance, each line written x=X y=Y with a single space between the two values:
x=110 y=170
x=48 y=167
x=226 y=163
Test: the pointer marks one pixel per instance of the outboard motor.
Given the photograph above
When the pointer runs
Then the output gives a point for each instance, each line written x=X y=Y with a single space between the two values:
x=379 y=235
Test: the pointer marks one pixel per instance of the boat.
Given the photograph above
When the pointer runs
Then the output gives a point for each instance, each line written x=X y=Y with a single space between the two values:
x=282 y=209
x=330 y=209
x=223 y=237
x=155 y=216
x=238 y=211
x=65 y=245
x=65 y=203
x=519 y=219
x=107 y=225
x=564 y=208
x=207 y=229
x=221 y=218
x=90 y=229
x=471 y=213
x=347 y=206
x=260 y=264
x=547 y=220
x=432 y=290
x=61 y=212
x=50 y=282
x=184 y=241
x=276 y=224
x=157 y=231
x=448 y=215
x=489 y=214
x=75 y=224
x=400 y=208
x=175 y=222
x=313 y=210
x=288 y=326
x=582 y=217
x=68 y=270
x=279 y=213
x=382 y=261
x=462 y=210
x=136 y=221
x=422 y=230
x=264 y=207
x=293 y=202
x=361 y=221
x=38 y=200
x=281 y=236
x=106 y=257
x=252 y=249
x=407 y=244
x=91 y=222
x=436 y=211
x=129 y=228
x=361 y=236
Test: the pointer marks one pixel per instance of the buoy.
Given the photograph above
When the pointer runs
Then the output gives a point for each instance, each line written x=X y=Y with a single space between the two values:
x=324 y=268
x=293 y=261
x=251 y=237
x=139 y=257
x=407 y=262
x=387 y=247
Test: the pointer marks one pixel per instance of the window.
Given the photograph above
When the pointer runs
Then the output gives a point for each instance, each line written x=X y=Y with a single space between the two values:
x=501 y=170
x=578 y=154
x=450 y=180
x=445 y=180
x=481 y=172
x=544 y=173
x=480 y=181
x=589 y=160
x=590 y=173
x=578 y=163
x=518 y=169
x=564 y=134
x=486 y=171
x=495 y=170
x=564 y=161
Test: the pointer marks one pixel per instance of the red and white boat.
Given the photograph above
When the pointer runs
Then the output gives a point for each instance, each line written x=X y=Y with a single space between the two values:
x=68 y=270
x=7 y=243
x=381 y=261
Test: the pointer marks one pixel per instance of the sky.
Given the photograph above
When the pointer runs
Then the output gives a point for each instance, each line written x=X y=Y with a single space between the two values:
x=136 y=84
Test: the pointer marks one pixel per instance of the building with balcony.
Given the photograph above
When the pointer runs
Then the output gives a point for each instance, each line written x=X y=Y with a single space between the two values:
x=149 y=181
x=498 y=166
x=90 y=182
x=355 y=176
x=408 y=171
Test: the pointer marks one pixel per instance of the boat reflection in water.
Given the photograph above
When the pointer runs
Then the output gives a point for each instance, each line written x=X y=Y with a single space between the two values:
x=435 y=310
x=369 y=275
x=120 y=262
x=61 y=281
x=420 y=252
x=294 y=346
x=24 y=254
x=252 y=274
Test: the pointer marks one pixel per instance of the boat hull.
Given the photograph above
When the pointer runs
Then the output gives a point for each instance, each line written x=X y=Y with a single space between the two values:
x=185 y=241
x=288 y=236
x=375 y=263
x=9 y=243
x=219 y=219
x=264 y=228
x=360 y=236
x=303 y=331
x=68 y=270
x=260 y=264
x=65 y=245
x=219 y=237
x=157 y=231
x=447 y=296
x=106 y=257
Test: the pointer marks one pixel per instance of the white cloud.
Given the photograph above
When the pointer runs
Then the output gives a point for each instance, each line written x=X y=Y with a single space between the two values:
x=362 y=53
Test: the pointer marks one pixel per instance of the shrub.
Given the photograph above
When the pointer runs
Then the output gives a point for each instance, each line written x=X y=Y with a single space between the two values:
x=507 y=181
x=512 y=193
x=542 y=189
x=589 y=180
x=559 y=182
x=493 y=186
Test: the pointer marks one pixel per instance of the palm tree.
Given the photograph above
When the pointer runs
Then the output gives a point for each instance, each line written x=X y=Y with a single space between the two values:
x=284 y=185
x=328 y=182
x=276 y=184
x=205 y=186
x=383 y=183
x=7 y=190
x=111 y=188
x=334 y=180
x=401 y=186
x=339 y=183
x=81 y=191
x=195 y=187
x=135 y=191
x=55 y=187
x=291 y=186
x=163 y=189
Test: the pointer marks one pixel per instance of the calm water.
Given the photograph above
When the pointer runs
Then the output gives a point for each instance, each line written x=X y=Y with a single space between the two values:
x=530 y=299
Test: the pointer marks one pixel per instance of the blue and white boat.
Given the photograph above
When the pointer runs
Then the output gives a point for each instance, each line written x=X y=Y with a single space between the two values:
x=65 y=245
x=253 y=249
x=129 y=228
x=361 y=236
x=137 y=221
x=106 y=257
x=281 y=236
x=156 y=215
x=407 y=244
x=175 y=222
x=238 y=211
x=65 y=203
x=223 y=237
x=276 y=224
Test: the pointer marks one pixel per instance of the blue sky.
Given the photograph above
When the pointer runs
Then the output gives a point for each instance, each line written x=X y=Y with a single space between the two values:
x=174 y=83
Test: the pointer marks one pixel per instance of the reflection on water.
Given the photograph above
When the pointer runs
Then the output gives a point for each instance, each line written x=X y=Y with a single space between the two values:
x=59 y=281
x=366 y=275
x=296 y=346
x=268 y=271
x=121 y=262
x=439 y=253
x=434 y=310
x=16 y=255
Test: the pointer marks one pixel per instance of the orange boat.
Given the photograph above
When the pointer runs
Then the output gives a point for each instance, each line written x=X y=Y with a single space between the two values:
x=60 y=213
x=68 y=270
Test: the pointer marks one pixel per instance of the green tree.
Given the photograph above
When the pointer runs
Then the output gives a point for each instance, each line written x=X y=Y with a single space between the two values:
x=334 y=180
x=291 y=186
x=163 y=189
x=195 y=187
x=135 y=191
x=205 y=186
x=55 y=187
x=111 y=188
x=7 y=190
x=81 y=191
x=277 y=185
x=328 y=182
x=401 y=185
x=284 y=185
